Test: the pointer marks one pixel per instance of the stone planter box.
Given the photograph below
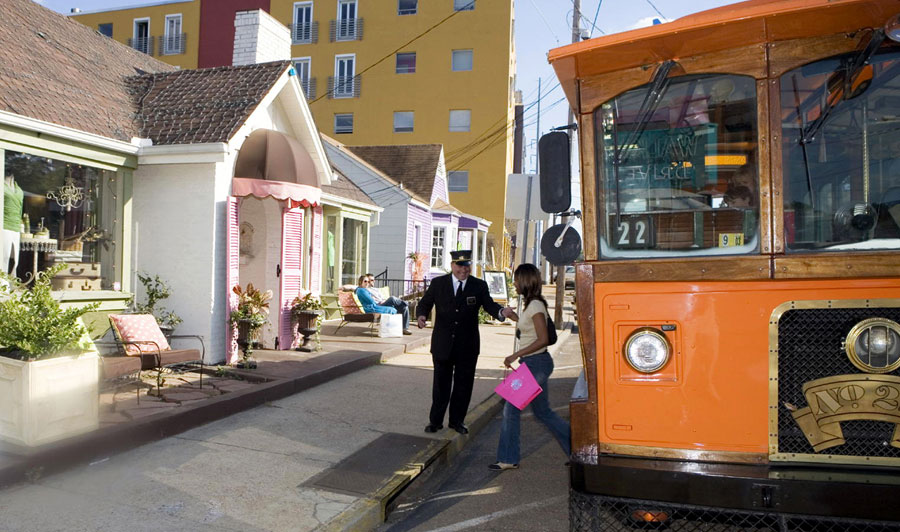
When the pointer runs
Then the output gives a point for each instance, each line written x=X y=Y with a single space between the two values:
x=48 y=400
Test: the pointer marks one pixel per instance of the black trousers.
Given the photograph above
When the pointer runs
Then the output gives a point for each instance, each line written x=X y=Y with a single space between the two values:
x=458 y=375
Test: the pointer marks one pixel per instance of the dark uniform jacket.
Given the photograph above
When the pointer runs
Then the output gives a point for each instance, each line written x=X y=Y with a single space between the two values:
x=456 y=322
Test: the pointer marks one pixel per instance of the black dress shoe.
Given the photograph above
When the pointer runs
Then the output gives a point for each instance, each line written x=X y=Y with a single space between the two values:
x=433 y=428
x=460 y=428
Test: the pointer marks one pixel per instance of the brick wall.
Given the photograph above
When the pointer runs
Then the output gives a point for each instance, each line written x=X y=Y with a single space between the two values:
x=259 y=38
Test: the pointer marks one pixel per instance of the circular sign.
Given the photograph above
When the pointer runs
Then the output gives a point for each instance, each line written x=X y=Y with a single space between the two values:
x=873 y=345
x=568 y=250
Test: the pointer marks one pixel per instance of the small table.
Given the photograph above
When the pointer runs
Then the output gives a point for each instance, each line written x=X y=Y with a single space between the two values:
x=37 y=245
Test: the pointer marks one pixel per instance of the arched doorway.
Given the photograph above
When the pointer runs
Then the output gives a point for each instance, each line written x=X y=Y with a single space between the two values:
x=275 y=197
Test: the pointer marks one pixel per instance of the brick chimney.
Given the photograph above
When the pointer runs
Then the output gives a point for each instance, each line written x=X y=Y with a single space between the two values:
x=259 y=38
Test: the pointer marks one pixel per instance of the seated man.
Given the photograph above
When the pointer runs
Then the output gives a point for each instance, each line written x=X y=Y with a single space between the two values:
x=366 y=296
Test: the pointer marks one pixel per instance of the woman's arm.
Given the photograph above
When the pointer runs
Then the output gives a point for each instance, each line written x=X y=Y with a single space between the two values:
x=543 y=339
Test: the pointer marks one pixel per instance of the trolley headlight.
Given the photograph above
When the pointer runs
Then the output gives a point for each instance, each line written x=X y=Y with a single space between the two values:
x=873 y=345
x=647 y=350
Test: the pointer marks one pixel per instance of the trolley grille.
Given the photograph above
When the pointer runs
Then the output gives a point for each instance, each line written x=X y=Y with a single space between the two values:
x=810 y=347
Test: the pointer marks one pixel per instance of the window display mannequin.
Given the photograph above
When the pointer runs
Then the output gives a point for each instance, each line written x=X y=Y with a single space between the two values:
x=13 y=197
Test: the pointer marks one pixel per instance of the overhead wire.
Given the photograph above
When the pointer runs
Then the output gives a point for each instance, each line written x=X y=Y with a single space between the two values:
x=404 y=45
x=501 y=136
x=655 y=9
x=489 y=131
x=594 y=23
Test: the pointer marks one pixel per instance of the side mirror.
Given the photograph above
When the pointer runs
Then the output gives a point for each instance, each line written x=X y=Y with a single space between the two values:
x=555 y=172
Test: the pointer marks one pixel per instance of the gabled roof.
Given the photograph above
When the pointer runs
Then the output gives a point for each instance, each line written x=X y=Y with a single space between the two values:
x=370 y=167
x=197 y=106
x=414 y=165
x=442 y=206
x=60 y=71
x=342 y=187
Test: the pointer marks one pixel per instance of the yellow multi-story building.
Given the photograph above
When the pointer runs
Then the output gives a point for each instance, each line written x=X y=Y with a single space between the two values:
x=376 y=72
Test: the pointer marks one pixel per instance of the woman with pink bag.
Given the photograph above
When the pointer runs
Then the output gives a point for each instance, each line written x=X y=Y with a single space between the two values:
x=533 y=339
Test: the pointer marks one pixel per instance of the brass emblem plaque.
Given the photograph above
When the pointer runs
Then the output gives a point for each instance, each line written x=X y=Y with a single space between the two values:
x=846 y=398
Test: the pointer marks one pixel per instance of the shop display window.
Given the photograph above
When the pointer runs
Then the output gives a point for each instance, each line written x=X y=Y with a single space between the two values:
x=55 y=212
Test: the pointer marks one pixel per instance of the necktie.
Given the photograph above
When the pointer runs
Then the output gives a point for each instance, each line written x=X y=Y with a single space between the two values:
x=459 y=289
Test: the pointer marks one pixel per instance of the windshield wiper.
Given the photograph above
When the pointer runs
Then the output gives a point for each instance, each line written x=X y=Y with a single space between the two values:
x=655 y=92
x=853 y=69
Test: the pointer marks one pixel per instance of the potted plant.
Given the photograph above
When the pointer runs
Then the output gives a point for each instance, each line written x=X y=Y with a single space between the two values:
x=251 y=313
x=49 y=367
x=306 y=314
x=417 y=266
x=156 y=290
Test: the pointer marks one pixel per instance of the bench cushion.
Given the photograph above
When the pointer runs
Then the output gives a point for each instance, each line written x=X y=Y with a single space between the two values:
x=113 y=366
x=139 y=328
x=167 y=358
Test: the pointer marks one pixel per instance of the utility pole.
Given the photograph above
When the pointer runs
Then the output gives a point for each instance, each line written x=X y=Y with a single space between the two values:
x=561 y=270
x=530 y=180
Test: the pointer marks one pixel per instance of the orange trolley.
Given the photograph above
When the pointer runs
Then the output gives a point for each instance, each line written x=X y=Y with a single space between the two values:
x=739 y=301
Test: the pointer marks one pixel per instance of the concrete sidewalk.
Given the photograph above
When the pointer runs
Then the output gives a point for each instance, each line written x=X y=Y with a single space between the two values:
x=252 y=470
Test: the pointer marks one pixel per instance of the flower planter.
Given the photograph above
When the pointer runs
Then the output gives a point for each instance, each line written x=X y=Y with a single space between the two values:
x=48 y=400
x=305 y=322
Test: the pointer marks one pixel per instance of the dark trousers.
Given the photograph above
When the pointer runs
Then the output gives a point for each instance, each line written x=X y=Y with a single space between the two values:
x=460 y=375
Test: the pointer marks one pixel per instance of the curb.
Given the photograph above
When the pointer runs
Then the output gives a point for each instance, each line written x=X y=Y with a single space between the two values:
x=370 y=512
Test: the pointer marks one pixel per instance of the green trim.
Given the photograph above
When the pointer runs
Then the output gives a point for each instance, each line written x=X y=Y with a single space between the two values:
x=356 y=214
x=125 y=230
x=43 y=145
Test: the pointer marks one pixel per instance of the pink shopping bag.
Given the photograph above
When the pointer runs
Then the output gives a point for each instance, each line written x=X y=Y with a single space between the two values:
x=519 y=387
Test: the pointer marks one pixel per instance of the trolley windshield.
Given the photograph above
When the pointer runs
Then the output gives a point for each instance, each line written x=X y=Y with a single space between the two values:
x=841 y=154
x=678 y=168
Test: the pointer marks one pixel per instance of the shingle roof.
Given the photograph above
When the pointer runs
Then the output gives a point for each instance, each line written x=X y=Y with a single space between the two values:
x=57 y=70
x=344 y=188
x=207 y=105
x=60 y=71
x=413 y=165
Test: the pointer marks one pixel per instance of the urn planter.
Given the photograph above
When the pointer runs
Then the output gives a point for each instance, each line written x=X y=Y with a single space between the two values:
x=48 y=400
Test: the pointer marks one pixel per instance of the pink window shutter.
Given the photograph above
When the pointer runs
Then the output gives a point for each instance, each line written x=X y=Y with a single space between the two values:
x=315 y=251
x=233 y=247
x=291 y=271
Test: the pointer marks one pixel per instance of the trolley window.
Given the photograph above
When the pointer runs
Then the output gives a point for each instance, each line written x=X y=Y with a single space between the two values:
x=678 y=168
x=841 y=153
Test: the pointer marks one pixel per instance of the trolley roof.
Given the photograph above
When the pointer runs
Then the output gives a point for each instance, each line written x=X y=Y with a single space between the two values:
x=732 y=26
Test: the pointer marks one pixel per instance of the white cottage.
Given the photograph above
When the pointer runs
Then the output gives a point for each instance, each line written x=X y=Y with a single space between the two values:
x=227 y=192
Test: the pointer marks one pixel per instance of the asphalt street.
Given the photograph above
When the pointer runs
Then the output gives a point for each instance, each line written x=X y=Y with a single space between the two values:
x=466 y=495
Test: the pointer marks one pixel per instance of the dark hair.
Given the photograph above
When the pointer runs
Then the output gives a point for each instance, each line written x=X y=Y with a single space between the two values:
x=530 y=280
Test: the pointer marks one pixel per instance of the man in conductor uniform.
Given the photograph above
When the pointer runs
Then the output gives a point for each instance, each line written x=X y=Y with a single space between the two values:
x=455 y=342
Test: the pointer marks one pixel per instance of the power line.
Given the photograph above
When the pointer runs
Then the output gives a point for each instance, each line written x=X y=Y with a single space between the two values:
x=491 y=135
x=500 y=136
x=654 y=9
x=545 y=21
x=593 y=25
x=404 y=45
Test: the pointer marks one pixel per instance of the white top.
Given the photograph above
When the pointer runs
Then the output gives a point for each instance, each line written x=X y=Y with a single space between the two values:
x=456 y=283
x=527 y=333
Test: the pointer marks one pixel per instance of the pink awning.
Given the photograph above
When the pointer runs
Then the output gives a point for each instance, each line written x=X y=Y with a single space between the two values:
x=299 y=195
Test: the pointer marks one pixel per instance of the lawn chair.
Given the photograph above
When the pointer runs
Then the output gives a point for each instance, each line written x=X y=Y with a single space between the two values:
x=351 y=312
x=139 y=335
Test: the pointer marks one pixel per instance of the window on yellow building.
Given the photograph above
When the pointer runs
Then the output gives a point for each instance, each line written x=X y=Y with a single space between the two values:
x=461 y=60
x=105 y=29
x=407 y=7
x=343 y=123
x=463 y=5
x=403 y=121
x=304 y=30
x=460 y=120
x=458 y=181
x=173 y=39
x=406 y=63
